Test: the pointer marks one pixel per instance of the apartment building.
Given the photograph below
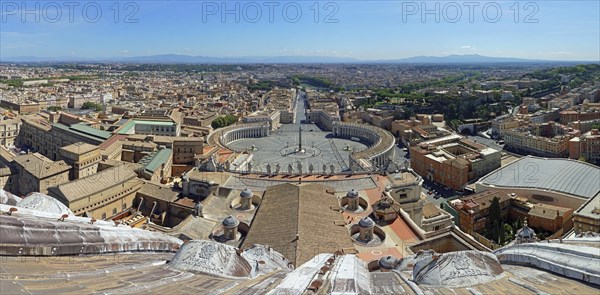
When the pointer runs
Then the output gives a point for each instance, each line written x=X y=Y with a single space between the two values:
x=547 y=139
x=500 y=126
x=23 y=108
x=453 y=161
x=587 y=146
x=9 y=129
x=572 y=116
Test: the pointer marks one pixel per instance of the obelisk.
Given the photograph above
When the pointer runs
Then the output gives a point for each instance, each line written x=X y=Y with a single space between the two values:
x=299 y=139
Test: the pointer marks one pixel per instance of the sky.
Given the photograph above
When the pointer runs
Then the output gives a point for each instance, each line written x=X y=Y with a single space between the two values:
x=366 y=30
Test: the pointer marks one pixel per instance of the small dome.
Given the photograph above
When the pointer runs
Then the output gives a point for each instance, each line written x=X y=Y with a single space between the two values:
x=366 y=222
x=388 y=262
x=246 y=193
x=352 y=194
x=230 y=221
x=45 y=203
x=526 y=232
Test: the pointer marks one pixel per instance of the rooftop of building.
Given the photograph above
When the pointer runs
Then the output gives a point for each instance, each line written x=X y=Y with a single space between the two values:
x=138 y=144
x=162 y=138
x=93 y=184
x=548 y=211
x=158 y=191
x=298 y=221
x=161 y=157
x=431 y=210
x=39 y=166
x=591 y=208
x=112 y=140
x=566 y=176
x=85 y=131
x=79 y=148
x=483 y=199
x=403 y=177
x=451 y=137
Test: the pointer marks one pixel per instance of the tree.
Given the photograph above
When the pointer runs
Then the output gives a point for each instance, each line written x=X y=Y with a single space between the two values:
x=90 y=105
x=493 y=223
x=295 y=81
x=223 y=121
x=508 y=234
x=501 y=236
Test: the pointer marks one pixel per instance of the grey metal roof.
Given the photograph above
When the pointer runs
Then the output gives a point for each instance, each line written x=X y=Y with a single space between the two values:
x=246 y=193
x=230 y=221
x=560 y=175
x=366 y=222
x=352 y=194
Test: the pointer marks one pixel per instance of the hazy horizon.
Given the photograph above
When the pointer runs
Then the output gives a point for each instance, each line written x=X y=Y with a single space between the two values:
x=379 y=30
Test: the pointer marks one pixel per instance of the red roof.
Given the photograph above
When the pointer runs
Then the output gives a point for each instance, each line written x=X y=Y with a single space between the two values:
x=112 y=140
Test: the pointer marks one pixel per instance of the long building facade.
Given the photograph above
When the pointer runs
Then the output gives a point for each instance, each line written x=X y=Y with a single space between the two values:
x=101 y=195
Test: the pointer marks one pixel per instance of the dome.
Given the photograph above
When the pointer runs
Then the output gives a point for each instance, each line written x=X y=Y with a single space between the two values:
x=453 y=269
x=211 y=257
x=230 y=221
x=352 y=194
x=526 y=232
x=246 y=193
x=41 y=202
x=388 y=262
x=366 y=222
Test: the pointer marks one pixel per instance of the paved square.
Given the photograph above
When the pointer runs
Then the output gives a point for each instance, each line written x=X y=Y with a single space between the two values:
x=321 y=148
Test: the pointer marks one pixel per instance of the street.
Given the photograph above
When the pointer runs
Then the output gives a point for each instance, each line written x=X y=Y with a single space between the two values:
x=486 y=141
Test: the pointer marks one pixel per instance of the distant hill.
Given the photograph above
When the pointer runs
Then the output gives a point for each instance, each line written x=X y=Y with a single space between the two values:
x=189 y=59
x=455 y=58
x=174 y=58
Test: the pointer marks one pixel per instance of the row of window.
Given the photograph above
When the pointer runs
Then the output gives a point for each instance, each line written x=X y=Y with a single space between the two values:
x=101 y=203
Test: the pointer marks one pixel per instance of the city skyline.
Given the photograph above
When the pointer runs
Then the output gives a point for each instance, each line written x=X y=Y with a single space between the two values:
x=383 y=30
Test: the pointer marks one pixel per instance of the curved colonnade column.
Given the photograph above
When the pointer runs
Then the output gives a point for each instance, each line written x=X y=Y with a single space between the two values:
x=380 y=149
